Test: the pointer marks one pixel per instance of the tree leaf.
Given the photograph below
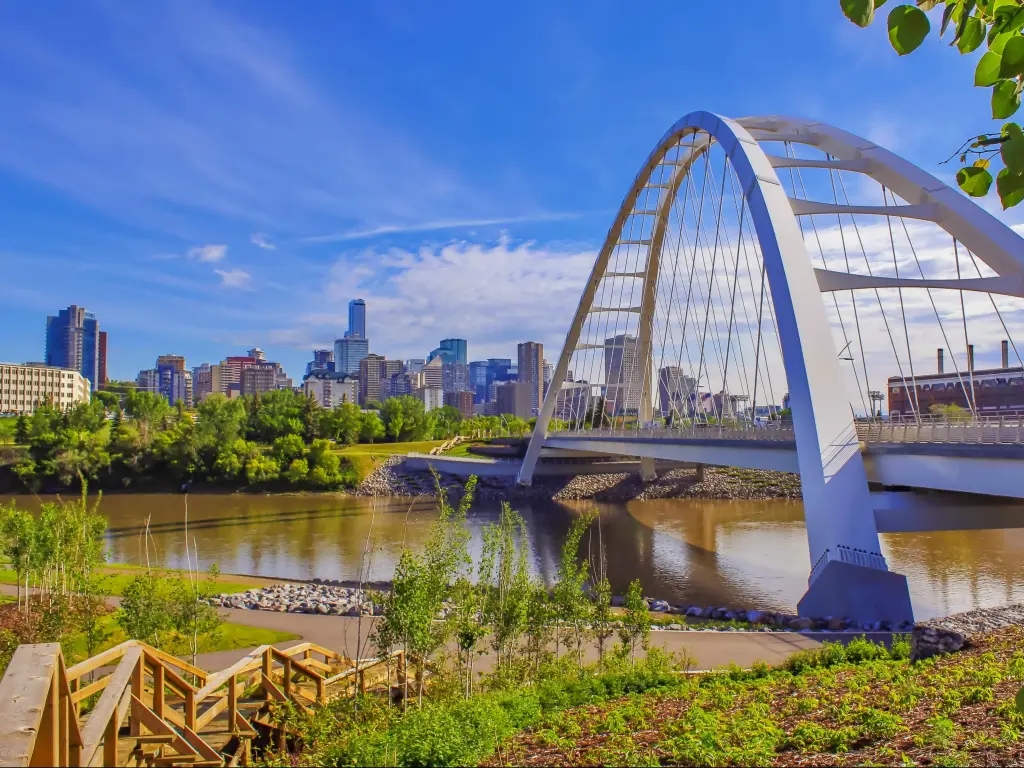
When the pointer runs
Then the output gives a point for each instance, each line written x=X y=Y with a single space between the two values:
x=974 y=181
x=987 y=72
x=1005 y=99
x=908 y=27
x=1018 y=701
x=1010 y=187
x=927 y=5
x=860 y=12
x=947 y=15
x=1012 y=59
x=1012 y=150
x=973 y=34
x=982 y=162
x=998 y=43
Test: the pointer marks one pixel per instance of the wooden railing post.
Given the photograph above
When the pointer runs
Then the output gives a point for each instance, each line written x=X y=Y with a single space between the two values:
x=47 y=746
x=286 y=684
x=158 y=689
x=137 y=688
x=232 y=703
x=190 y=709
x=110 y=739
x=268 y=665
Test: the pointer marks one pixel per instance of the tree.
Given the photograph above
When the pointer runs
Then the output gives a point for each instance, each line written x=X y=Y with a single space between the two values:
x=371 y=428
x=19 y=544
x=405 y=419
x=297 y=471
x=342 y=423
x=286 y=448
x=21 y=430
x=996 y=25
x=504 y=576
x=446 y=422
x=636 y=625
x=109 y=400
x=571 y=607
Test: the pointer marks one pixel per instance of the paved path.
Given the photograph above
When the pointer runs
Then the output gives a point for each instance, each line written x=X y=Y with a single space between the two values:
x=707 y=650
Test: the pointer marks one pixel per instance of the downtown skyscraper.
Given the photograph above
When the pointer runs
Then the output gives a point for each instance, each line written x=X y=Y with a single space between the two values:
x=74 y=340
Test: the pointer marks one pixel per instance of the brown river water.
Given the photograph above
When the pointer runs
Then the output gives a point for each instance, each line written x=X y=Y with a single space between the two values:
x=726 y=553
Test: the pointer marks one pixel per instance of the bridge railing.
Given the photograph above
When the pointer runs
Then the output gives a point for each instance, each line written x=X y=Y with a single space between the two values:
x=737 y=431
x=1004 y=429
x=944 y=428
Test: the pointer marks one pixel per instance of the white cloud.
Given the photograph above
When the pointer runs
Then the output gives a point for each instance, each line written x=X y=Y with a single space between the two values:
x=495 y=295
x=435 y=226
x=260 y=239
x=208 y=252
x=234 y=278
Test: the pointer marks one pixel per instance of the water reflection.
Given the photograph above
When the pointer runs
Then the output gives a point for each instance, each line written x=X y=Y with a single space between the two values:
x=706 y=552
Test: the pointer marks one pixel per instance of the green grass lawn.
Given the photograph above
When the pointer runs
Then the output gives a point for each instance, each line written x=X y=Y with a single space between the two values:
x=228 y=638
x=117 y=577
x=365 y=457
x=462 y=449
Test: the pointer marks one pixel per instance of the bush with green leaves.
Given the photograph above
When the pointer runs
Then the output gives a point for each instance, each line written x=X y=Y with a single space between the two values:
x=994 y=26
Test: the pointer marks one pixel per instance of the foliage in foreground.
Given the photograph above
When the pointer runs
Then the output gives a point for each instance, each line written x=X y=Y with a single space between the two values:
x=996 y=26
x=561 y=705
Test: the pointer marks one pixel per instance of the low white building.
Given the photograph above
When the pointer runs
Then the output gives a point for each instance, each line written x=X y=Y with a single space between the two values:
x=23 y=388
x=331 y=389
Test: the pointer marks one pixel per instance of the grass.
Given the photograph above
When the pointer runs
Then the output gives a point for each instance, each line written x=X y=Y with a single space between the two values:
x=230 y=637
x=462 y=449
x=365 y=457
x=117 y=577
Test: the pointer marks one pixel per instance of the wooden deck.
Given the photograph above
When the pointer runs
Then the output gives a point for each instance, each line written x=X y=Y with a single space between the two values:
x=136 y=705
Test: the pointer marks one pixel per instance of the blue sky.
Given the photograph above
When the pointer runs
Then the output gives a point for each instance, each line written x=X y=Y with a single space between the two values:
x=207 y=177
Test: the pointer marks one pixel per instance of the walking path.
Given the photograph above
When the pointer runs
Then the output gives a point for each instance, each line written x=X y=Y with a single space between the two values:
x=706 y=650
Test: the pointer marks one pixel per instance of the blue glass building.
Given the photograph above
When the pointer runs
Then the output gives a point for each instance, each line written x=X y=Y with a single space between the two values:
x=73 y=341
x=451 y=351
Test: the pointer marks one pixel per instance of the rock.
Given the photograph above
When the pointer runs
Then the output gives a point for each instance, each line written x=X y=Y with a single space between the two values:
x=707 y=613
x=694 y=611
x=755 y=617
x=729 y=615
x=798 y=624
x=660 y=606
x=836 y=625
x=322 y=609
x=925 y=644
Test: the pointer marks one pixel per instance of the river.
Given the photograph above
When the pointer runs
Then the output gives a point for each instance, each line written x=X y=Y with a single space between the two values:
x=728 y=553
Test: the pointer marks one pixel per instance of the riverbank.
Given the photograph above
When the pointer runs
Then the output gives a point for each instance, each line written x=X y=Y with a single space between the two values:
x=394 y=477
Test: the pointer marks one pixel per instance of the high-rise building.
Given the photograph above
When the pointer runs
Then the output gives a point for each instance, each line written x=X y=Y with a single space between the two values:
x=414 y=365
x=515 y=398
x=531 y=371
x=148 y=380
x=174 y=381
x=623 y=380
x=431 y=374
x=202 y=382
x=348 y=352
x=572 y=401
x=484 y=374
x=549 y=371
x=371 y=371
x=674 y=390
x=323 y=360
x=454 y=377
x=101 y=362
x=261 y=377
x=356 y=319
x=73 y=341
x=23 y=388
x=432 y=397
x=451 y=351
x=461 y=401
x=257 y=354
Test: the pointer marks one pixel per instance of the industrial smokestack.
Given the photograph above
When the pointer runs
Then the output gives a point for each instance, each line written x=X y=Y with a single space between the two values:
x=970 y=357
x=1006 y=353
x=940 y=352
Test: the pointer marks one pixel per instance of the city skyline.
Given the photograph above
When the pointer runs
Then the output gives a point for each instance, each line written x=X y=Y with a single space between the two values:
x=259 y=221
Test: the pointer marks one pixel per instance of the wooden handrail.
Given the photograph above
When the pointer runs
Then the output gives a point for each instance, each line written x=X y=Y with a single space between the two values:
x=39 y=697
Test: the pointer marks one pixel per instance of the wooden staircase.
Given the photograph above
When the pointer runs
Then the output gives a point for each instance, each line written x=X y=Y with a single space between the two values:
x=154 y=709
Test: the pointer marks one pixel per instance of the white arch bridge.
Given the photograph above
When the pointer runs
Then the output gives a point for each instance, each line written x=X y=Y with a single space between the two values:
x=764 y=262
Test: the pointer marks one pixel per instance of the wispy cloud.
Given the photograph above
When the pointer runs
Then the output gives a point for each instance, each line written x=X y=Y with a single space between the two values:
x=208 y=252
x=260 y=240
x=436 y=226
x=234 y=278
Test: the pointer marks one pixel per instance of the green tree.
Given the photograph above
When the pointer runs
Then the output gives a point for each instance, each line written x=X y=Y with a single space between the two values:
x=406 y=420
x=19 y=546
x=148 y=410
x=371 y=428
x=504 y=575
x=571 y=607
x=297 y=471
x=636 y=624
x=21 y=430
x=288 y=447
x=343 y=423
x=995 y=26
x=446 y=422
